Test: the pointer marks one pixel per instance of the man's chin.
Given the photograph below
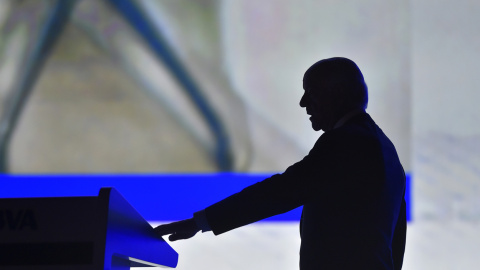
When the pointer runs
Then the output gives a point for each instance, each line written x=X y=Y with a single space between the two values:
x=315 y=124
x=316 y=127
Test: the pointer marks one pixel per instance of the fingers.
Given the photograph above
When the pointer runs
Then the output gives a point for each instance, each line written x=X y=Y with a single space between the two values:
x=180 y=236
x=165 y=229
x=183 y=229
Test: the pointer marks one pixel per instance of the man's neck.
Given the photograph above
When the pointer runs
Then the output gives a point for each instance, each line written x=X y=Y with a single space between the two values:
x=347 y=117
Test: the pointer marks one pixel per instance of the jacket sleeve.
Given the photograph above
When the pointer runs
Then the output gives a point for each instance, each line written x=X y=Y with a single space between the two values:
x=272 y=196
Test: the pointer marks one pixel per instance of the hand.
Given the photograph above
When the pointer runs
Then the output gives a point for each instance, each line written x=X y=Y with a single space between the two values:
x=183 y=229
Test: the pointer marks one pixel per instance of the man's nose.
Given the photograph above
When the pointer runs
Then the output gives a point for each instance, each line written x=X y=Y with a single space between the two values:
x=303 y=102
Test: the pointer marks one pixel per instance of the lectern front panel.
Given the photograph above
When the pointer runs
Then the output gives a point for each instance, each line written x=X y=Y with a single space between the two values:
x=78 y=233
x=51 y=233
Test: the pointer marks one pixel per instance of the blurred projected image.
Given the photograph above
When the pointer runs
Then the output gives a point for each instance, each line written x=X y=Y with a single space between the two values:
x=173 y=86
x=112 y=91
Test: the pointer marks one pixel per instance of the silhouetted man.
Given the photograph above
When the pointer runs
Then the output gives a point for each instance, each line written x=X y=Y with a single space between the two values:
x=351 y=184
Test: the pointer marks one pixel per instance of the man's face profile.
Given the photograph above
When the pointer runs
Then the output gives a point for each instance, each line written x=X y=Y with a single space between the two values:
x=317 y=105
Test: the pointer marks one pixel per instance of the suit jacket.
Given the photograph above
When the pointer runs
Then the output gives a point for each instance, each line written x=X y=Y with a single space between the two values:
x=351 y=186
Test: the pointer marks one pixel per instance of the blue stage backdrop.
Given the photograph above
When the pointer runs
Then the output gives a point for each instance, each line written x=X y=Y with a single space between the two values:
x=158 y=197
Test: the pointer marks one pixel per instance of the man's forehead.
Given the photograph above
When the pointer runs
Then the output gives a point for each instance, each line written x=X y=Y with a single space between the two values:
x=307 y=86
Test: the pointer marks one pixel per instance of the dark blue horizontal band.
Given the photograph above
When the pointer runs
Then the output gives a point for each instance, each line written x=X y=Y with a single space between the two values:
x=157 y=197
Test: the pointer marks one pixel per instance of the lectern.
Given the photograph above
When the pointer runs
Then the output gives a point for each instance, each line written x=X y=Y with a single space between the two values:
x=101 y=232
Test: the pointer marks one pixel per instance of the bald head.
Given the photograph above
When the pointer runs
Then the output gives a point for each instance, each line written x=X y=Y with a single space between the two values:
x=341 y=79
